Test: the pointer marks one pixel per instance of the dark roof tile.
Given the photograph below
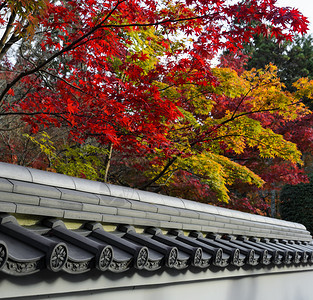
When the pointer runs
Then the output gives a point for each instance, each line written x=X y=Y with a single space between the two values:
x=237 y=236
x=26 y=251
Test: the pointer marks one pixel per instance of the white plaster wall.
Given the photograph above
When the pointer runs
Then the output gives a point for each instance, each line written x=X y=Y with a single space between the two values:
x=290 y=286
x=271 y=286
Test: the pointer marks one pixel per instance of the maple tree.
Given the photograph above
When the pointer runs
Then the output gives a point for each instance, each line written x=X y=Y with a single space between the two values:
x=293 y=60
x=225 y=124
x=275 y=172
x=136 y=76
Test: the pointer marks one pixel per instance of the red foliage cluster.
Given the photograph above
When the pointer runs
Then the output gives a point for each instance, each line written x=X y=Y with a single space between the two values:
x=82 y=38
x=93 y=96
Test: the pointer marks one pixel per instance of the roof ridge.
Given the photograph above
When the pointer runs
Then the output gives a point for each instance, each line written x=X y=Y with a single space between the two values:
x=118 y=202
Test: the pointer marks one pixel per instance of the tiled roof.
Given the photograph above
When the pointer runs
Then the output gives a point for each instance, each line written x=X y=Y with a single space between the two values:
x=148 y=231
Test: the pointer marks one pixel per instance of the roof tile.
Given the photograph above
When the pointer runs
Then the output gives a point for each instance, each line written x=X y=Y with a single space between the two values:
x=29 y=188
x=188 y=213
x=15 y=172
x=138 y=205
x=60 y=204
x=6 y=185
x=78 y=196
x=19 y=198
x=114 y=201
x=41 y=211
x=117 y=219
x=167 y=210
x=131 y=213
x=7 y=207
x=103 y=209
x=90 y=186
x=51 y=179
x=82 y=215
x=123 y=192
x=159 y=217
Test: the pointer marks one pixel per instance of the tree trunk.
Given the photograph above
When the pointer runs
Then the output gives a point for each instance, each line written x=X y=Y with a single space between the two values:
x=273 y=203
x=108 y=163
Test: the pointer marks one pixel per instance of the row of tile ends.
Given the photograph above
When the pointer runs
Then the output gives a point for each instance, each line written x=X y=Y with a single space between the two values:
x=24 y=251
x=21 y=173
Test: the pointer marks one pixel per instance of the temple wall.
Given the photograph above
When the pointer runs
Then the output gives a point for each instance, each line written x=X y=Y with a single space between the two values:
x=291 y=283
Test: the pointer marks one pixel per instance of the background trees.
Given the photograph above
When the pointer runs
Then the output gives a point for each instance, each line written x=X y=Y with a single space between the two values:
x=293 y=60
x=109 y=89
x=297 y=205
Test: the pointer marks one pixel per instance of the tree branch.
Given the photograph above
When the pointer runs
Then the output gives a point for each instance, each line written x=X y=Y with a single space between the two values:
x=15 y=37
x=3 y=4
x=7 y=30
x=156 y=178
x=108 y=162
x=203 y=139
x=154 y=23
x=77 y=41
x=57 y=54
x=65 y=81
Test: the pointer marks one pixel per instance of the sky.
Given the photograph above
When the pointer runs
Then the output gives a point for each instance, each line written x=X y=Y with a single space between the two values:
x=304 y=6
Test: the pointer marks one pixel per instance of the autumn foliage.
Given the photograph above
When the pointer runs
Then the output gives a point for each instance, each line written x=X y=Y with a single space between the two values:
x=135 y=78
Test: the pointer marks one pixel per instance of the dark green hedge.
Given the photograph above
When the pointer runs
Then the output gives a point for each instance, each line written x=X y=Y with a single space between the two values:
x=297 y=204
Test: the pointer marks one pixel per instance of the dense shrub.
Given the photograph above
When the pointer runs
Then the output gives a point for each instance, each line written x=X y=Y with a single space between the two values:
x=297 y=204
